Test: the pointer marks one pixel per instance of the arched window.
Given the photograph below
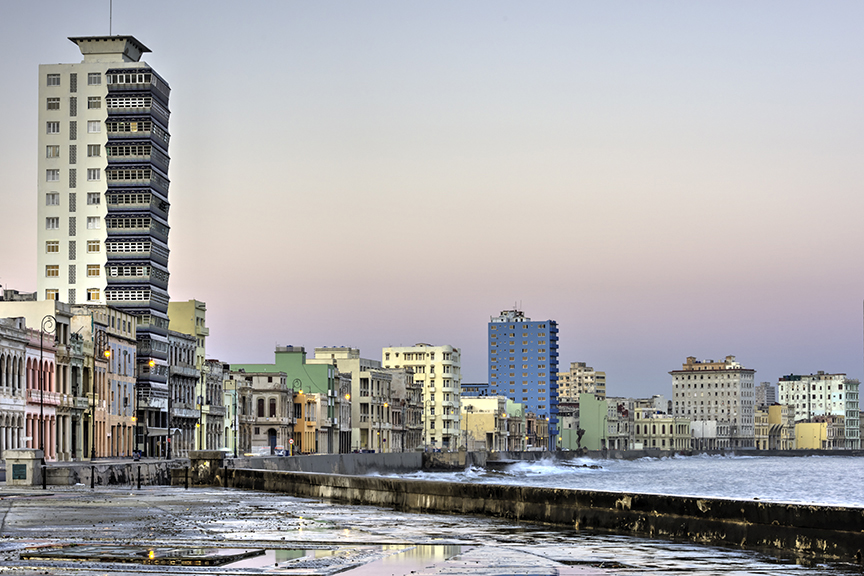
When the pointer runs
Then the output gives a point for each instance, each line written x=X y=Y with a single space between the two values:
x=653 y=429
x=261 y=408
x=272 y=407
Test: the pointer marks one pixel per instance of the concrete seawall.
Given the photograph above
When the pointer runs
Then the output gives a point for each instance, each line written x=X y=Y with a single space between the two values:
x=816 y=531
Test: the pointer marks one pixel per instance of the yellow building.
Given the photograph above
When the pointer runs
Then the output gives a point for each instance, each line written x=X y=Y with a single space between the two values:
x=660 y=431
x=811 y=435
x=307 y=407
x=761 y=428
x=781 y=427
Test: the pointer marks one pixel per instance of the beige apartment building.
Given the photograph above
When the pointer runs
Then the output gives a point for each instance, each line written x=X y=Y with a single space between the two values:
x=718 y=398
x=581 y=379
x=438 y=370
x=370 y=397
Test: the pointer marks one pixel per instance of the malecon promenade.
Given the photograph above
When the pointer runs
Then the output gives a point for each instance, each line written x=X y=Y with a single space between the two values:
x=257 y=524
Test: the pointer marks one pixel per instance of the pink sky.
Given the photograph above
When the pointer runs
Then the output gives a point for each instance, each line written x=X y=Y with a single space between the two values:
x=663 y=179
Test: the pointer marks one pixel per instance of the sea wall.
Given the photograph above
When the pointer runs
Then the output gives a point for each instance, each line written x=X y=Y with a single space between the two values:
x=816 y=531
x=153 y=472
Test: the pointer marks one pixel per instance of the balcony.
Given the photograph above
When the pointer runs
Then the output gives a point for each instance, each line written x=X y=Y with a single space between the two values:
x=44 y=398
x=187 y=371
x=214 y=410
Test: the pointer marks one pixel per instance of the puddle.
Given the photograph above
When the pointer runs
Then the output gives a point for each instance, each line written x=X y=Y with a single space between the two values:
x=372 y=560
x=154 y=555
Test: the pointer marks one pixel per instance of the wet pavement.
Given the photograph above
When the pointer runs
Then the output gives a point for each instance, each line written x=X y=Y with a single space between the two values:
x=159 y=530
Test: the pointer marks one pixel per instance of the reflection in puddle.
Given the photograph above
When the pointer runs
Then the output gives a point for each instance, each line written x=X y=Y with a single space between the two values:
x=360 y=560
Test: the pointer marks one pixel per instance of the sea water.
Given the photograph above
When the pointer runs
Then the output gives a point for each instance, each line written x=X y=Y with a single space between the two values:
x=827 y=480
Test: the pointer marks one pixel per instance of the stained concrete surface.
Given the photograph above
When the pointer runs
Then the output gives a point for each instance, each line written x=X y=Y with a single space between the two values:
x=303 y=536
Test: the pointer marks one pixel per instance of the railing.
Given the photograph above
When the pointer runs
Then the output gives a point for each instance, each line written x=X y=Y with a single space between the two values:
x=48 y=398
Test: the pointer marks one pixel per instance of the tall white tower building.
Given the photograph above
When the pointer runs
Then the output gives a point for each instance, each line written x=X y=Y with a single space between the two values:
x=103 y=198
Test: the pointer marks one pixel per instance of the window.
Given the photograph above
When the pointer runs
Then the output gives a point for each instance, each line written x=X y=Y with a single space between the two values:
x=93 y=174
x=52 y=271
x=261 y=408
x=52 y=127
x=272 y=407
x=52 y=223
x=93 y=222
x=94 y=150
x=52 y=199
x=94 y=198
x=94 y=102
x=52 y=246
x=93 y=246
x=93 y=270
x=53 y=80
x=52 y=151
x=53 y=103
x=92 y=293
x=51 y=294
x=94 y=126
x=94 y=78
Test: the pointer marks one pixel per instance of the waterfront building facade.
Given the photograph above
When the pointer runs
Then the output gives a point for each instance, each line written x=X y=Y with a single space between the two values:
x=823 y=394
x=660 y=431
x=265 y=411
x=215 y=409
x=523 y=364
x=484 y=424
x=115 y=400
x=14 y=340
x=311 y=377
x=438 y=369
x=102 y=218
x=190 y=317
x=781 y=427
x=183 y=410
x=70 y=379
x=718 y=398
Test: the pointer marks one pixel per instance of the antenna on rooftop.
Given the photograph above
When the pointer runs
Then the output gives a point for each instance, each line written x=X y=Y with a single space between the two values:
x=110 y=16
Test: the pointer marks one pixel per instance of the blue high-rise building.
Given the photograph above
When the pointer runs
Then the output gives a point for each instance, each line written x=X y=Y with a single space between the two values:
x=523 y=364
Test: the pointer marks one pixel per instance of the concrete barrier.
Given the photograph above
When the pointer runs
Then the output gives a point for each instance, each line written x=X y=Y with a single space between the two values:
x=816 y=531
x=153 y=472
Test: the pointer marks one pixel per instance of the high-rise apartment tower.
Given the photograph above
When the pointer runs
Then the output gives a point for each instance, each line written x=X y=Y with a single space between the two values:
x=523 y=364
x=103 y=199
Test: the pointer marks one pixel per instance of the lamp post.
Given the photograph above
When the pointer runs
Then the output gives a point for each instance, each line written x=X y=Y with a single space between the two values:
x=103 y=350
x=236 y=420
x=49 y=325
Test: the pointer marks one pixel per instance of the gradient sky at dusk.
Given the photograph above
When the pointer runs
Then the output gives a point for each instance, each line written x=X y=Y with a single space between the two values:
x=664 y=179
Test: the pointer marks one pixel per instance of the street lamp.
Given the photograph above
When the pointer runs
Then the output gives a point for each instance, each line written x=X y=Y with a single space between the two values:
x=49 y=325
x=103 y=350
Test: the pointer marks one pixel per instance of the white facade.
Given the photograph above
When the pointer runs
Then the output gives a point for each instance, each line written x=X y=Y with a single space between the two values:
x=71 y=228
x=438 y=370
x=821 y=394
x=720 y=392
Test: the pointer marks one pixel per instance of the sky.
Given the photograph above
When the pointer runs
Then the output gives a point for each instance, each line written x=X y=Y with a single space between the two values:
x=663 y=179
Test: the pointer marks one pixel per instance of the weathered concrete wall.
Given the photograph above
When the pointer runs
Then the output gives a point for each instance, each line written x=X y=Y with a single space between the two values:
x=825 y=532
x=109 y=474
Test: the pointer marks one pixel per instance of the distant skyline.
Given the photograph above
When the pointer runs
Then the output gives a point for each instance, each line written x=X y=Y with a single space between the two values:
x=663 y=179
